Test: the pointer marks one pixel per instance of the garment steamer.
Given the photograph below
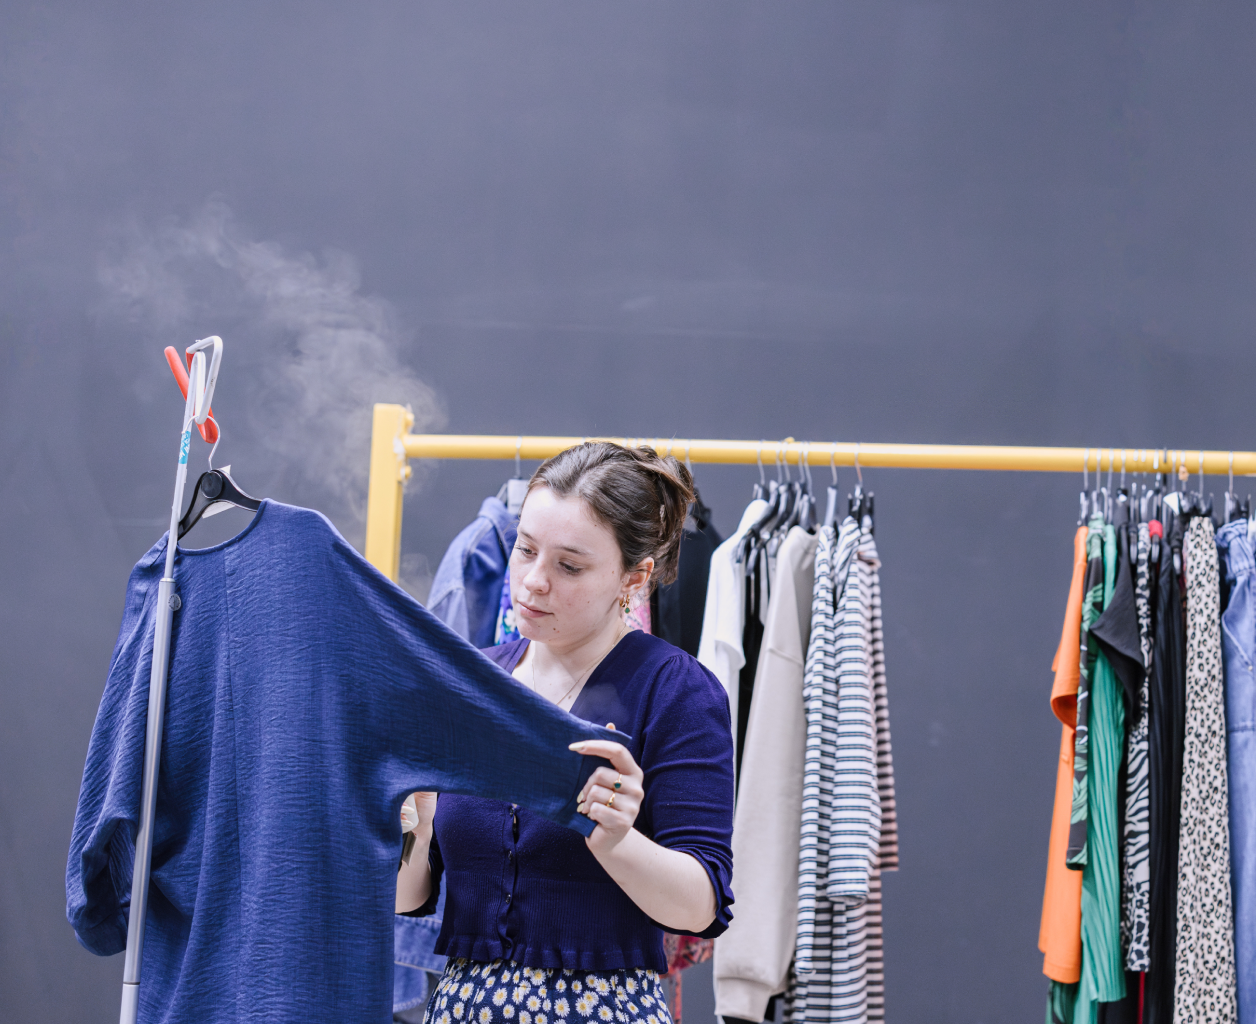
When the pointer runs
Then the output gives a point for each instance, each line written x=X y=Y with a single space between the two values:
x=195 y=410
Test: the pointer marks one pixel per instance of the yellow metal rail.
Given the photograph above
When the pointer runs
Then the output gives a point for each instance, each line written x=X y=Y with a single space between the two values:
x=392 y=445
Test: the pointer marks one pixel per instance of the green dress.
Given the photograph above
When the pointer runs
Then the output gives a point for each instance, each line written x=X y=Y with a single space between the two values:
x=1103 y=975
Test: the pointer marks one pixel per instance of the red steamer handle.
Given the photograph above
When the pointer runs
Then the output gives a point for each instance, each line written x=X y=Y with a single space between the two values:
x=208 y=429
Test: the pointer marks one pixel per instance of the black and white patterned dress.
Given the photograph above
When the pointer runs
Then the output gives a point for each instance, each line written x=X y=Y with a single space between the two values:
x=841 y=803
x=1205 y=976
x=888 y=855
x=1135 y=869
x=504 y=992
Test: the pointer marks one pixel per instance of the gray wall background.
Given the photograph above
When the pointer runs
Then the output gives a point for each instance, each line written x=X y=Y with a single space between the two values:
x=978 y=222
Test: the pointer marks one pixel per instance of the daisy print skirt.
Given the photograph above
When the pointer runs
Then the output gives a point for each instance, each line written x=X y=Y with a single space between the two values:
x=504 y=992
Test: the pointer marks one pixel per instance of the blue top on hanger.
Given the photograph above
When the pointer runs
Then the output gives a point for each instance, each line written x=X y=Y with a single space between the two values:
x=308 y=696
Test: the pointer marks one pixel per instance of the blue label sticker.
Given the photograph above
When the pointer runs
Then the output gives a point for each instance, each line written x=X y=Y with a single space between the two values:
x=184 y=445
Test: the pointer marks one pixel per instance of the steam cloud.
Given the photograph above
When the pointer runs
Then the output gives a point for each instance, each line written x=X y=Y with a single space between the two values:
x=306 y=354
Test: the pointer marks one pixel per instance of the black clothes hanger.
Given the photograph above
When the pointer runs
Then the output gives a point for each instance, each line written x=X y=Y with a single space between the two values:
x=855 y=502
x=700 y=512
x=1109 y=502
x=797 y=499
x=1121 y=509
x=1083 y=512
x=808 y=521
x=789 y=501
x=1122 y=515
x=807 y=514
x=750 y=542
x=760 y=530
x=513 y=491
x=1234 y=508
x=758 y=490
x=830 y=508
x=213 y=487
x=831 y=495
x=802 y=498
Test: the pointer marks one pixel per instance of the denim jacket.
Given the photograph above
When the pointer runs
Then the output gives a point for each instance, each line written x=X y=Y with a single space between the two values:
x=466 y=595
x=466 y=592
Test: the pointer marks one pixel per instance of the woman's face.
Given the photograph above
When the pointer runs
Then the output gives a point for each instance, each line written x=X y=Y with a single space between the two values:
x=566 y=571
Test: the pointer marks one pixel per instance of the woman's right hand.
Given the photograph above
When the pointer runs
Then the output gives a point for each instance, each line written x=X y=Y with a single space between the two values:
x=417 y=813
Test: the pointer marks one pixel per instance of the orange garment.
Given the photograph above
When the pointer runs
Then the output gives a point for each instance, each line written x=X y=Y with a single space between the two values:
x=1060 y=937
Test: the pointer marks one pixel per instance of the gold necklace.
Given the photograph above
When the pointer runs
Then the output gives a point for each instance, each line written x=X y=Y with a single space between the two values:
x=584 y=675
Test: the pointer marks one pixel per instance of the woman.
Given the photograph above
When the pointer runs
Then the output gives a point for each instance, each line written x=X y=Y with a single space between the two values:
x=543 y=926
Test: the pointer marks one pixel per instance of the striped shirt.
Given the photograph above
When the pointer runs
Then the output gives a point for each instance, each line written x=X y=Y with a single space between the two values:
x=842 y=795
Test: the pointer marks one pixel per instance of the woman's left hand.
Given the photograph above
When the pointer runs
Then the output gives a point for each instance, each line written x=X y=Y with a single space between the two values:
x=611 y=796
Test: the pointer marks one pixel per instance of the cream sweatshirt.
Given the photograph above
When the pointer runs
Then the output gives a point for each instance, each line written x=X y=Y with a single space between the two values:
x=752 y=958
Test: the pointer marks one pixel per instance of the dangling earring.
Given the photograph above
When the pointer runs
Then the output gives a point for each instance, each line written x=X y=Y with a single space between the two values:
x=624 y=604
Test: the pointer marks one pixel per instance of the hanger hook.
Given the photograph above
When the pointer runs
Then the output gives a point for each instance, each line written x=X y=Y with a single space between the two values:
x=763 y=480
x=858 y=471
x=1232 y=472
x=688 y=464
x=218 y=440
x=833 y=462
x=1201 y=476
x=1122 y=468
x=1086 y=470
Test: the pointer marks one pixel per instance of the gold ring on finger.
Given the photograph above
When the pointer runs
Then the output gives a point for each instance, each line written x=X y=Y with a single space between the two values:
x=611 y=801
x=619 y=780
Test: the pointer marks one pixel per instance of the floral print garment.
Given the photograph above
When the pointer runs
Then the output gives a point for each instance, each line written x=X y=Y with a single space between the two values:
x=683 y=951
x=504 y=992
x=507 y=628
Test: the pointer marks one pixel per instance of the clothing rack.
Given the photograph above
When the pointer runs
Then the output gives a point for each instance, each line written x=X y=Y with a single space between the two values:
x=392 y=446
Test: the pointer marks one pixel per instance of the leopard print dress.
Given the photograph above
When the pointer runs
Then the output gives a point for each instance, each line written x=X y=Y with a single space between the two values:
x=1205 y=984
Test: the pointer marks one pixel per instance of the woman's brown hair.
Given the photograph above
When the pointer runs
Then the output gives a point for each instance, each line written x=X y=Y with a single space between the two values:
x=640 y=495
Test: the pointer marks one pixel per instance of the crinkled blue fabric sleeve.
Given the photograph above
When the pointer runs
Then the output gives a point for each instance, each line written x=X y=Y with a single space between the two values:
x=473 y=729
x=102 y=845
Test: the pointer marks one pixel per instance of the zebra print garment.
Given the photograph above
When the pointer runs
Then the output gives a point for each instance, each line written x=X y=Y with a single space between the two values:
x=1136 y=871
x=841 y=806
